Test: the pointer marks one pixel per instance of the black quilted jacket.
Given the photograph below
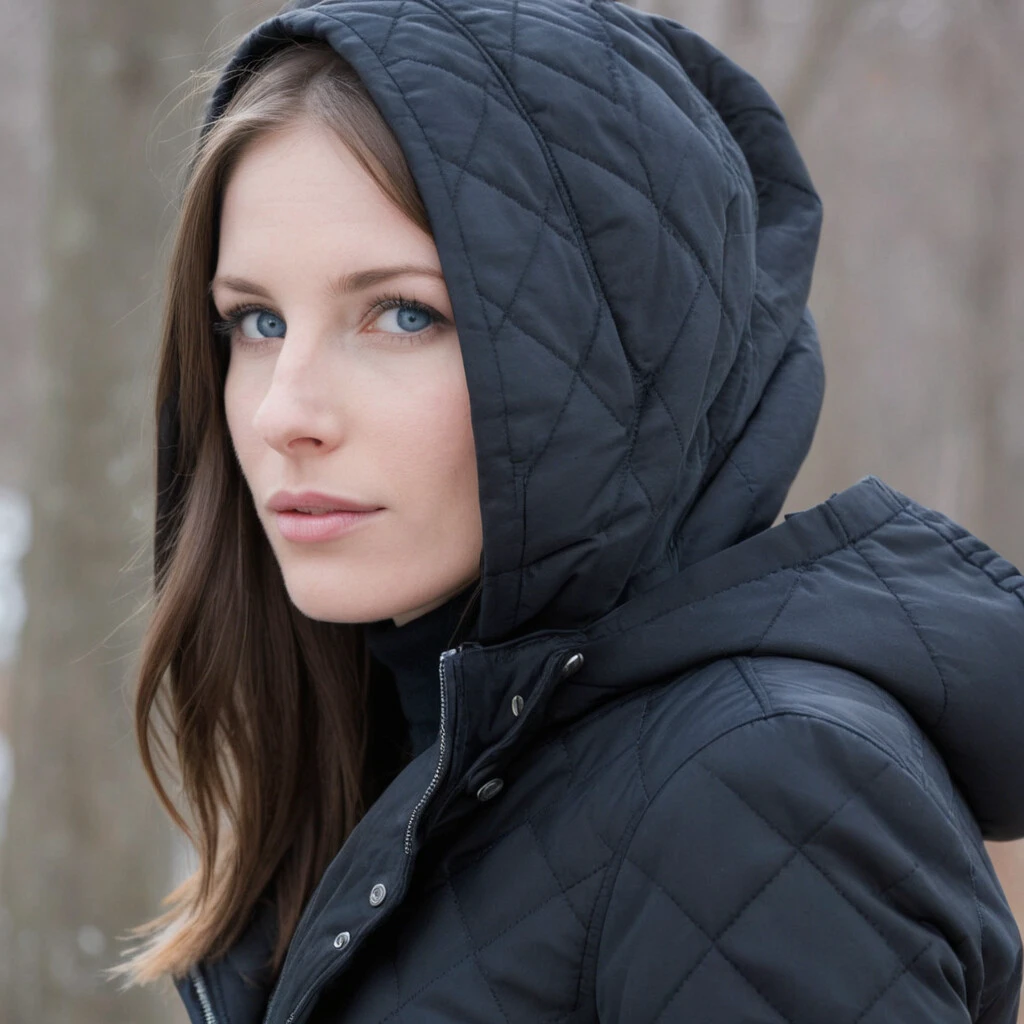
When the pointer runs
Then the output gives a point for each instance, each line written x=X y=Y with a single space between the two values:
x=698 y=768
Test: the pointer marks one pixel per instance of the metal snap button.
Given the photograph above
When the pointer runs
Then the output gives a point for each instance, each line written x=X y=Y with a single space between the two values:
x=341 y=940
x=490 y=789
x=377 y=894
x=572 y=665
x=517 y=705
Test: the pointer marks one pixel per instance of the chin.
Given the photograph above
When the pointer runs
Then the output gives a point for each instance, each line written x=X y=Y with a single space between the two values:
x=332 y=604
x=338 y=596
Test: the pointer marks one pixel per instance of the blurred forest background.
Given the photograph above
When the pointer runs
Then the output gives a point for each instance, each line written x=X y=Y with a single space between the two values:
x=910 y=114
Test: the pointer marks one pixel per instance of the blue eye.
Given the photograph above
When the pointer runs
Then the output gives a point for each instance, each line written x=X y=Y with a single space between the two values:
x=249 y=324
x=410 y=318
x=266 y=324
x=405 y=316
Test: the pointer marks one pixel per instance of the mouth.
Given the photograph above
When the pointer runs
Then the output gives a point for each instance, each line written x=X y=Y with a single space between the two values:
x=307 y=517
x=315 y=503
x=310 y=524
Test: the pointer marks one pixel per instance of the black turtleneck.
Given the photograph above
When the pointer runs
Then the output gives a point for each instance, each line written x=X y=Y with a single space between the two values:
x=411 y=653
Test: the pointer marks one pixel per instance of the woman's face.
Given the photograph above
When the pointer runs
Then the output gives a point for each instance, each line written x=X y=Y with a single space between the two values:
x=345 y=383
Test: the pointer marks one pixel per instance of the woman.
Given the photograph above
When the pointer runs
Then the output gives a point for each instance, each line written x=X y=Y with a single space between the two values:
x=494 y=693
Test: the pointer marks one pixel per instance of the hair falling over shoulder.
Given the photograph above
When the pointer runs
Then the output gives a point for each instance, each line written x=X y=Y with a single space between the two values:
x=258 y=713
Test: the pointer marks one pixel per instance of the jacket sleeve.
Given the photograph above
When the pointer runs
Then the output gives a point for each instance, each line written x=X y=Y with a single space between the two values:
x=794 y=871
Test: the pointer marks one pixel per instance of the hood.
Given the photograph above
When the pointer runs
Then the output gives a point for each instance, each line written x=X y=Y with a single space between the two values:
x=627 y=233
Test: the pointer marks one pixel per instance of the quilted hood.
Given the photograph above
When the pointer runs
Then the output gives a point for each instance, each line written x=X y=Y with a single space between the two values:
x=627 y=234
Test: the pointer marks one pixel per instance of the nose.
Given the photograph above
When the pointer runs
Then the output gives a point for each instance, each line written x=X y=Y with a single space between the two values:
x=298 y=412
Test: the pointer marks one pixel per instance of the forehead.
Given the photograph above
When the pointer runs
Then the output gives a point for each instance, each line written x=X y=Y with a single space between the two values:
x=304 y=165
x=301 y=193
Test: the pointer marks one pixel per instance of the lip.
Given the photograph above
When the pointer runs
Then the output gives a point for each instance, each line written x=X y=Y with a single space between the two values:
x=289 y=501
x=334 y=518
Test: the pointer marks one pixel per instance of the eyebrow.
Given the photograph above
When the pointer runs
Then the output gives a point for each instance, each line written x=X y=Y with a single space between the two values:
x=357 y=281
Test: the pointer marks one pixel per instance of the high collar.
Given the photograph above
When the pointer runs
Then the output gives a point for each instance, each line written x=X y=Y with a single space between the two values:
x=410 y=652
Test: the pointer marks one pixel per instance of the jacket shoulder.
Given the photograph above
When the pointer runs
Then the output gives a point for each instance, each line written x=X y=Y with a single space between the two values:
x=682 y=719
x=794 y=862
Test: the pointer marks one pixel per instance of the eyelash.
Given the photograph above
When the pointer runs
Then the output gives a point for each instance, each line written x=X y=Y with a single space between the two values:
x=233 y=317
x=225 y=328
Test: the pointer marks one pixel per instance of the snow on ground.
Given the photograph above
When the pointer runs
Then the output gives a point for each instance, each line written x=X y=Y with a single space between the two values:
x=15 y=537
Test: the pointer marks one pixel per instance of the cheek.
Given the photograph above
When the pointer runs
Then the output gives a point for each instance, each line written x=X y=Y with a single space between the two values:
x=241 y=398
x=431 y=440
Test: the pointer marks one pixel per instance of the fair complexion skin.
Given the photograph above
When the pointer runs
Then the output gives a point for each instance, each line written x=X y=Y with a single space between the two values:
x=345 y=378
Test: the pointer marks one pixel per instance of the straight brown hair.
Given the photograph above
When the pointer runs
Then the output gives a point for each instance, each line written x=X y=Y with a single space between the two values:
x=258 y=712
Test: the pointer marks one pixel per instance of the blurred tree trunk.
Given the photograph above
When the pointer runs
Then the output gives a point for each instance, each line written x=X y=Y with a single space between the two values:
x=829 y=28
x=87 y=853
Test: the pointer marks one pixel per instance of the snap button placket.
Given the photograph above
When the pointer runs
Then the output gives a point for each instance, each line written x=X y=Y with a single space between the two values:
x=378 y=894
x=341 y=940
x=490 y=789
x=517 y=705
